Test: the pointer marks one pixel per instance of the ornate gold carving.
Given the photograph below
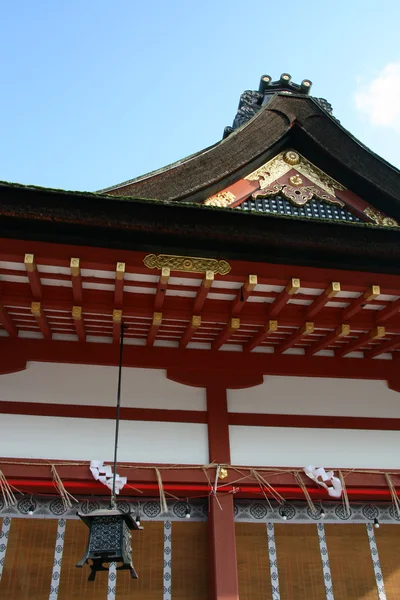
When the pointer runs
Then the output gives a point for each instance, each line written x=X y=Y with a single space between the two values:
x=284 y=162
x=223 y=473
x=379 y=218
x=188 y=264
x=298 y=196
x=222 y=200
x=291 y=157
x=296 y=180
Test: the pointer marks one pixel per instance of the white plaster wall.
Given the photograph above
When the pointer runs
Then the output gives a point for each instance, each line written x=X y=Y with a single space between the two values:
x=298 y=447
x=23 y=436
x=317 y=396
x=58 y=383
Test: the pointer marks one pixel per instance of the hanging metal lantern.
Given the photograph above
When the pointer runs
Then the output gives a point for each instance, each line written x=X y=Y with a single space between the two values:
x=109 y=541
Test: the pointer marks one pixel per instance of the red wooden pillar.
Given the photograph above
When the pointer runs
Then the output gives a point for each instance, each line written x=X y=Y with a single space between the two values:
x=223 y=572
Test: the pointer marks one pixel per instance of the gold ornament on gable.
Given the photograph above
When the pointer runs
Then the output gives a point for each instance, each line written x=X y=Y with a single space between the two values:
x=222 y=200
x=379 y=218
x=188 y=264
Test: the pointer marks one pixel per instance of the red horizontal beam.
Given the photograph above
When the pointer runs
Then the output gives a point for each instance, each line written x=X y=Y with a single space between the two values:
x=15 y=353
x=194 y=416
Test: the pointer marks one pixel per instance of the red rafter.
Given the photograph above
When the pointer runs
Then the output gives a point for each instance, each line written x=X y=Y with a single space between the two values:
x=243 y=294
x=79 y=324
x=7 y=322
x=203 y=291
x=357 y=303
x=363 y=340
x=41 y=320
x=323 y=299
x=292 y=287
x=161 y=288
x=156 y=323
x=190 y=331
x=387 y=346
x=329 y=339
x=391 y=309
x=117 y=320
x=304 y=330
x=226 y=333
x=270 y=328
x=119 y=284
x=33 y=276
x=76 y=279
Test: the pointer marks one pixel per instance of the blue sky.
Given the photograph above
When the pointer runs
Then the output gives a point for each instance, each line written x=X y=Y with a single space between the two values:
x=95 y=92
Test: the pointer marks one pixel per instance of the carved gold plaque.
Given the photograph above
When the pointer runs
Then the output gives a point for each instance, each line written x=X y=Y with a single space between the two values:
x=379 y=218
x=222 y=200
x=188 y=264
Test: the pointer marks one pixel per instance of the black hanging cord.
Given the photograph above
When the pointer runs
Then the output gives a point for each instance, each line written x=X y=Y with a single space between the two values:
x=117 y=418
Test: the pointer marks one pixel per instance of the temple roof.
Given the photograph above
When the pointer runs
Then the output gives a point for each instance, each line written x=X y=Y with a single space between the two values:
x=279 y=116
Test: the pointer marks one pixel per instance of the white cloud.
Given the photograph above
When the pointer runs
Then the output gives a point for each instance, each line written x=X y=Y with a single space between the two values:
x=379 y=100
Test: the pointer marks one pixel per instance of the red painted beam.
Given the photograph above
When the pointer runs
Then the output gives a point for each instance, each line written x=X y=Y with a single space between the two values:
x=281 y=300
x=295 y=337
x=7 y=322
x=392 y=309
x=226 y=333
x=119 y=284
x=323 y=299
x=33 y=276
x=387 y=346
x=117 y=322
x=76 y=280
x=190 y=330
x=161 y=288
x=259 y=337
x=357 y=304
x=155 y=326
x=221 y=363
x=361 y=341
x=243 y=294
x=328 y=340
x=203 y=291
x=79 y=323
x=41 y=320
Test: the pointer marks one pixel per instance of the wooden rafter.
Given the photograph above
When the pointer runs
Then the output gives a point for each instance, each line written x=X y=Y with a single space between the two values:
x=203 y=291
x=154 y=327
x=329 y=339
x=243 y=294
x=229 y=329
x=79 y=323
x=282 y=298
x=360 y=342
x=76 y=279
x=392 y=309
x=190 y=330
x=295 y=337
x=388 y=346
x=41 y=319
x=33 y=276
x=117 y=321
x=119 y=284
x=270 y=328
x=161 y=288
x=7 y=322
x=323 y=299
x=357 y=304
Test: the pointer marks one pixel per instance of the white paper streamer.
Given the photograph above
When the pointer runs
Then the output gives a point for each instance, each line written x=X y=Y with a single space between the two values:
x=104 y=474
x=325 y=479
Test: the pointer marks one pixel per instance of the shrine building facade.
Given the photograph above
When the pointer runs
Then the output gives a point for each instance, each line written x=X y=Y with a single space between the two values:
x=255 y=286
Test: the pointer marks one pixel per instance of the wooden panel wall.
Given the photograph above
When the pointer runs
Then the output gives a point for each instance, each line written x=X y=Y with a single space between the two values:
x=190 y=561
x=29 y=560
x=299 y=562
x=351 y=564
x=253 y=561
x=148 y=559
x=388 y=542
